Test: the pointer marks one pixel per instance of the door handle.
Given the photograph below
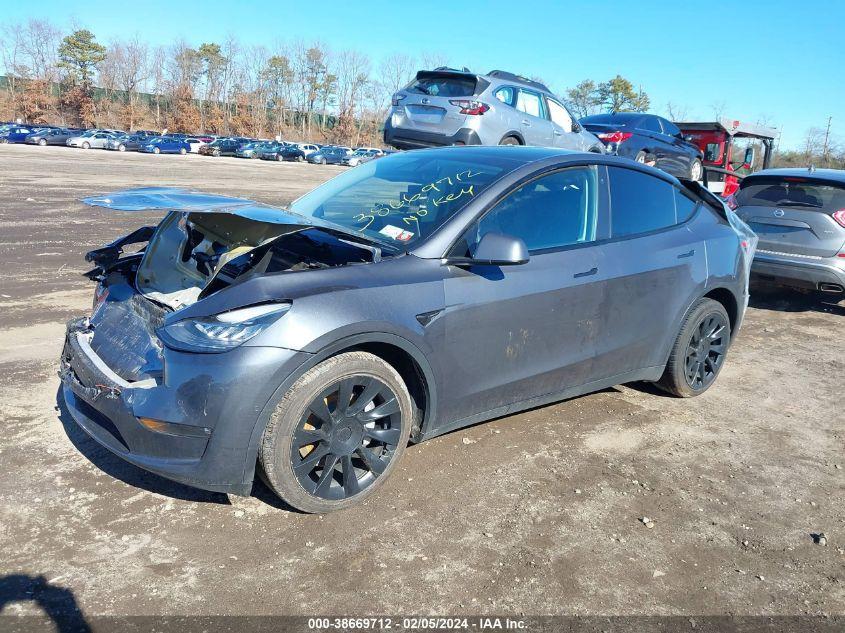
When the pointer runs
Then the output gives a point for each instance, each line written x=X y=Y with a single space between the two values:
x=524 y=122
x=587 y=273
x=687 y=254
x=558 y=133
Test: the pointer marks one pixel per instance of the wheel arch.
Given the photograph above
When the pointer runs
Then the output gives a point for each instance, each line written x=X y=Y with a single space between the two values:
x=405 y=357
x=728 y=300
x=515 y=134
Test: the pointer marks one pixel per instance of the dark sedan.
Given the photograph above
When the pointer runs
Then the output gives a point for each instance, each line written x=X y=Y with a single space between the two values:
x=270 y=150
x=407 y=297
x=647 y=138
x=165 y=145
x=222 y=147
x=128 y=142
x=51 y=136
x=799 y=216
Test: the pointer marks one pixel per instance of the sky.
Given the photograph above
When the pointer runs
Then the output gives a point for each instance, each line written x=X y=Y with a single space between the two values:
x=776 y=62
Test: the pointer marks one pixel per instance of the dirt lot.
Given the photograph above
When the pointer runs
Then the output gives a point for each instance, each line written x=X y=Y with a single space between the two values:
x=535 y=513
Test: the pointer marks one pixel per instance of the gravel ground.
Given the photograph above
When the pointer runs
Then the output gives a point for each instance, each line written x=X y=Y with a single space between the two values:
x=536 y=513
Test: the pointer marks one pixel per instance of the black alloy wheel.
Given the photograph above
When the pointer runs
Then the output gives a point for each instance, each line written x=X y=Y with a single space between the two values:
x=706 y=351
x=346 y=438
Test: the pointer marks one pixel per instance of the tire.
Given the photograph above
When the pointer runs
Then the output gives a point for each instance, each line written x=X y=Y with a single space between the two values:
x=687 y=355
x=370 y=453
x=121 y=148
x=640 y=157
x=42 y=142
x=86 y=145
x=695 y=170
x=510 y=140
x=300 y=159
x=156 y=150
x=322 y=161
x=279 y=158
x=183 y=151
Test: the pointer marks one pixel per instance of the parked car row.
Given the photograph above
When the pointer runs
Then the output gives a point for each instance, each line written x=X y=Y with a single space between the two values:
x=148 y=141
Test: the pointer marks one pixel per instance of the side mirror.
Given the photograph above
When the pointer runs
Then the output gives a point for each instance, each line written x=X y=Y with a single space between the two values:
x=749 y=156
x=576 y=127
x=687 y=137
x=495 y=249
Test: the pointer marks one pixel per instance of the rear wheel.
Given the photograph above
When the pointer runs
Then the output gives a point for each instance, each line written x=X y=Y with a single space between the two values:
x=300 y=158
x=699 y=351
x=183 y=151
x=337 y=433
x=510 y=140
x=695 y=170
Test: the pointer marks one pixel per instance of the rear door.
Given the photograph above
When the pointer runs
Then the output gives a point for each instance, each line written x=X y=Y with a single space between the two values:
x=533 y=118
x=793 y=215
x=682 y=153
x=659 y=145
x=651 y=267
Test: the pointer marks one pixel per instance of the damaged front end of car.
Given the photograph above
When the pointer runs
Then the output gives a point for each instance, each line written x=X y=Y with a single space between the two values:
x=152 y=385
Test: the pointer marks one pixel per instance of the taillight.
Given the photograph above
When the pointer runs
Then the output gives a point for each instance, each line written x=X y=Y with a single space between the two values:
x=615 y=137
x=397 y=98
x=839 y=216
x=468 y=106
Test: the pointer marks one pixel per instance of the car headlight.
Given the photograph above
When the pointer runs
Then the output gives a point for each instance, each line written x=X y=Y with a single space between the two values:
x=221 y=332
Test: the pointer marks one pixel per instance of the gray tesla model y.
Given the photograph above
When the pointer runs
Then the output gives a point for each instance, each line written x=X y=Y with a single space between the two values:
x=408 y=297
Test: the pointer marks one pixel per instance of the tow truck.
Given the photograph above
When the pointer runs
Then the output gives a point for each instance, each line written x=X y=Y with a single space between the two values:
x=732 y=149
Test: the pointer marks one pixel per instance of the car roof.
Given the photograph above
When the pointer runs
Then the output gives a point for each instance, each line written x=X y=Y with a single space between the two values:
x=833 y=175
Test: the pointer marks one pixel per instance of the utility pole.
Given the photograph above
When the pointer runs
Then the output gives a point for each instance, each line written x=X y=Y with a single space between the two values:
x=826 y=141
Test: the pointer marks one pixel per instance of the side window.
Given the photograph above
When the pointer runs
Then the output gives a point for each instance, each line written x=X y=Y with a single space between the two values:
x=530 y=103
x=505 y=95
x=670 y=128
x=651 y=125
x=559 y=115
x=556 y=210
x=684 y=206
x=639 y=202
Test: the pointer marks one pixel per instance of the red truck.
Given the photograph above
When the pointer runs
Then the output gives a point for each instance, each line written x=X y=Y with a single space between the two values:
x=730 y=146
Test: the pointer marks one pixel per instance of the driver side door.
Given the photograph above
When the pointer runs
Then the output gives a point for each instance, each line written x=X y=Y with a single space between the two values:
x=513 y=333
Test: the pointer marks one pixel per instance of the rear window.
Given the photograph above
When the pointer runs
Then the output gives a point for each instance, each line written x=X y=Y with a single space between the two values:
x=796 y=192
x=611 y=119
x=444 y=86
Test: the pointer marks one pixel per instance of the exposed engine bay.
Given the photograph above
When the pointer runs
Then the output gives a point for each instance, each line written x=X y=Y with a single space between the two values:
x=192 y=255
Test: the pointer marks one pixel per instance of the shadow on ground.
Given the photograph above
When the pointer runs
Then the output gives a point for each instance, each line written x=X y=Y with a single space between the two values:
x=57 y=602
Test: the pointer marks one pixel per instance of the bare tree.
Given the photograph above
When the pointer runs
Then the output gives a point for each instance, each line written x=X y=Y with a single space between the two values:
x=677 y=112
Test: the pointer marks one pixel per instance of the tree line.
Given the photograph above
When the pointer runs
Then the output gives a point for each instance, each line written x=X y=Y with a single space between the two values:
x=294 y=89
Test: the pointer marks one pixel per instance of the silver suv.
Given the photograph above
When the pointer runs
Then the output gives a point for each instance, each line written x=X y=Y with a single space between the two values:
x=453 y=107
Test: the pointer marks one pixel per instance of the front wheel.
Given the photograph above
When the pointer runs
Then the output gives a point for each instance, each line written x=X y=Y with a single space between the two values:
x=695 y=170
x=699 y=351
x=509 y=140
x=279 y=157
x=156 y=150
x=337 y=433
x=86 y=145
x=121 y=148
x=42 y=142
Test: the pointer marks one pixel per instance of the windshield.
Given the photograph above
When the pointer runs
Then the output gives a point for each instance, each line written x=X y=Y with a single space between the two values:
x=405 y=197
x=784 y=192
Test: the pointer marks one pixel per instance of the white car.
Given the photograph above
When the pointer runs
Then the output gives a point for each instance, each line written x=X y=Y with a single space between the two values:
x=195 y=144
x=307 y=148
x=92 y=138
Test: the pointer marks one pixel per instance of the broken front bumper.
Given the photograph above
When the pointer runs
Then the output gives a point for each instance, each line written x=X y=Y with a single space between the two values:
x=202 y=419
